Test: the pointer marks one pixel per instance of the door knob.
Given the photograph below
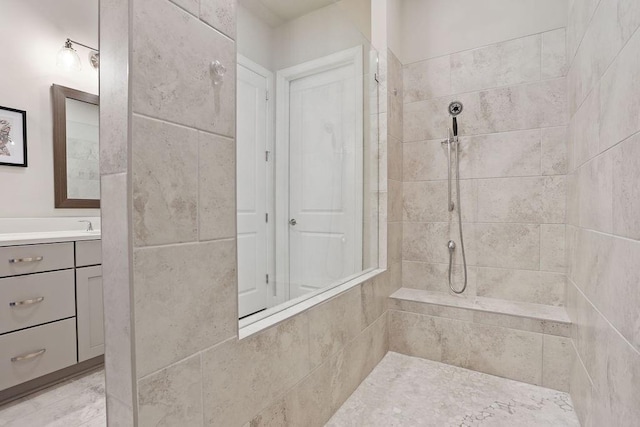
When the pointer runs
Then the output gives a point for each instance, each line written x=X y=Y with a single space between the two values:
x=293 y=221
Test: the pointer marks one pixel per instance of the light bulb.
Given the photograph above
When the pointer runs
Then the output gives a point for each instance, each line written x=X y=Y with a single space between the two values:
x=68 y=58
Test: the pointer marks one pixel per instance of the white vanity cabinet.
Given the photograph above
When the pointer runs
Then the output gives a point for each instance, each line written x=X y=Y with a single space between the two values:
x=50 y=313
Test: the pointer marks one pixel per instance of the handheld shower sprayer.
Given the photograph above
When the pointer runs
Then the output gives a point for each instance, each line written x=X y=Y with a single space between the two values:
x=455 y=108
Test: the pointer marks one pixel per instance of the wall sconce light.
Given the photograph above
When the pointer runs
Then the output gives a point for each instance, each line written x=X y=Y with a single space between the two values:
x=69 y=60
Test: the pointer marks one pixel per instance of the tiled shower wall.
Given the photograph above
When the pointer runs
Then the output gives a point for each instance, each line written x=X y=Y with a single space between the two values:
x=512 y=169
x=173 y=356
x=603 y=209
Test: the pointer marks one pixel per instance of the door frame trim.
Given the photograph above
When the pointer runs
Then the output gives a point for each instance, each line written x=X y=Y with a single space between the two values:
x=284 y=77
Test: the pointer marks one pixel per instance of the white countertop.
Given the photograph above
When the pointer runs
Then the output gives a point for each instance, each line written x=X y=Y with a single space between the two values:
x=12 y=239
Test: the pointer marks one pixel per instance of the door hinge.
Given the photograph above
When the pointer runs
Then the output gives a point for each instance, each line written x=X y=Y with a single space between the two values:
x=266 y=156
x=375 y=77
x=266 y=217
x=266 y=97
x=267 y=279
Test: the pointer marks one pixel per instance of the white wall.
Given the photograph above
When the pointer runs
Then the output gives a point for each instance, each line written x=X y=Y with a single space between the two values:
x=254 y=38
x=432 y=28
x=31 y=34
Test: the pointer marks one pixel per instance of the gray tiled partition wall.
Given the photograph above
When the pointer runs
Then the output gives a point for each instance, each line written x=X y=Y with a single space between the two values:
x=173 y=355
x=603 y=209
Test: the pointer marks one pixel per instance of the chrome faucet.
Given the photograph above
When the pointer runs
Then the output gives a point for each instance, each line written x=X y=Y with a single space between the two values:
x=89 y=225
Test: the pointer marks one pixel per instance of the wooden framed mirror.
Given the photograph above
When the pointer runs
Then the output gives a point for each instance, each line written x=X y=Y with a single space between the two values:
x=76 y=169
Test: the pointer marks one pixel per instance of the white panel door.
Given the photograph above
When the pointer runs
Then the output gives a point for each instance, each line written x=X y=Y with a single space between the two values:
x=325 y=178
x=251 y=141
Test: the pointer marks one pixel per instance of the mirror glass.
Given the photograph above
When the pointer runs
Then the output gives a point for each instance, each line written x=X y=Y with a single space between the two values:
x=83 y=167
x=307 y=150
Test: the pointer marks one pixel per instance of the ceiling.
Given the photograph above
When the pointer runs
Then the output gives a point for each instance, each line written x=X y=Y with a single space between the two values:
x=277 y=12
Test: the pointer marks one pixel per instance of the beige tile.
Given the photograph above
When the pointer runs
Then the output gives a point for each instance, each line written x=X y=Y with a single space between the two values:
x=508 y=245
x=580 y=13
x=502 y=64
x=558 y=356
x=530 y=200
x=220 y=14
x=500 y=155
x=521 y=285
x=241 y=378
x=306 y=404
x=395 y=115
x=114 y=87
x=426 y=120
x=427 y=201
x=394 y=78
x=333 y=324
x=394 y=158
x=553 y=151
x=374 y=297
x=591 y=333
x=573 y=198
x=187 y=50
x=595 y=181
x=216 y=187
x=584 y=129
x=623 y=372
x=118 y=414
x=165 y=183
x=352 y=365
x=424 y=160
x=554 y=54
x=626 y=191
x=582 y=393
x=552 y=245
x=394 y=248
x=190 y=6
x=395 y=201
x=172 y=396
x=116 y=285
x=435 y=277
x=427 y=79
x=194 y=288
x=427 y=242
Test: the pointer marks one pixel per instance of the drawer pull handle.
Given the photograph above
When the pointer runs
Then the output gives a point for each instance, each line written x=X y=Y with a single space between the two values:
x=30 y=259
x=26 y=302
x=28 y=355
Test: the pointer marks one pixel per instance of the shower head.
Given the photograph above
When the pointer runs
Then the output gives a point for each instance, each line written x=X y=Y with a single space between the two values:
x=455 y=108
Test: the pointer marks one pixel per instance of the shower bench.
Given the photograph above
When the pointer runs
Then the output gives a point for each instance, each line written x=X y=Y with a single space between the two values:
x=520 y=341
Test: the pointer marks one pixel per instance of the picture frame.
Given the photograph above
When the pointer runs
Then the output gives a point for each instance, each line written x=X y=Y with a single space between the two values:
x=13 y=137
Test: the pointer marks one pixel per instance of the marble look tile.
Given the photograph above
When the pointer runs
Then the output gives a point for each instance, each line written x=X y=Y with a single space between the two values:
x=553 y=151
x=532 y=200
x=591 y=333
x=395 y=115
x=580 y=13
x=584 y=129
x=191 y=285
x=114 y=87
x=521 y=285
x=582 y=393
x=502 y=64
x=554 y=54
x=552 y=256
x=596 y=188
x=352 y=365
x=306 y=404
x=404 y=390
x=504 y=352
x=220 y=14
x=424 y=160
x=216 y=187
x=500 y=155
x=278 y=358
x=427 y=79
x=118 y=414
x=426 y=120
x=394 y=158
x=395 y=201
x=172 y=395
x=165 y=183
x=626 y=191
x=395 y=242
x=436 y=310
x=590 y=262
x=623 y=372
x=191 y=6
x=558 y=356
x=427 y=242
x=427 y=201
x=508 y=245
x=159 y=56
x=333 y=324
x=116 y=284
x=374 y=296
x=435 y=277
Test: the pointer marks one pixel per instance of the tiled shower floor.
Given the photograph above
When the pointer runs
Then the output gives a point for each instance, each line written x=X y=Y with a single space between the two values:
x=407 y=391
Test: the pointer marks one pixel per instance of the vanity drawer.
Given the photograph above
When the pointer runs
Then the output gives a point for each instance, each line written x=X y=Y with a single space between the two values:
x=37 y=298
x=22 y=357
x=27 y=259
x=88 y=252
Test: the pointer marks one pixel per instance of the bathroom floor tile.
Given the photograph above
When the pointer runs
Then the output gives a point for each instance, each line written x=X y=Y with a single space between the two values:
x=408 y=391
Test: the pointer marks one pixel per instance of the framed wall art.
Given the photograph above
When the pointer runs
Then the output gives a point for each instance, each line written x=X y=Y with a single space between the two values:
x=13 y=137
